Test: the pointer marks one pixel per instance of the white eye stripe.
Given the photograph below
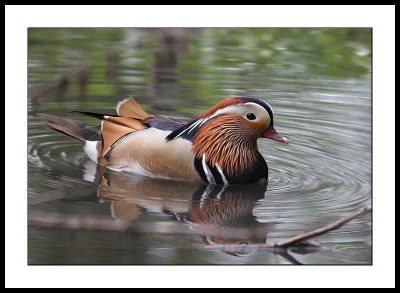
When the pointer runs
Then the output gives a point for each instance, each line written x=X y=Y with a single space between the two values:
x=242 y=109
x=272 y=110
x=259 y=106
x=226 y=110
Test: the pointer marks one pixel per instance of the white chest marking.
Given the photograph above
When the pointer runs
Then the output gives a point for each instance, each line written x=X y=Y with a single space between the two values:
x=207 y=171
x=222 y=174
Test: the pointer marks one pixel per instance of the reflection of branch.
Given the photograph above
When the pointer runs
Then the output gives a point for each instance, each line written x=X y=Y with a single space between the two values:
x=290 y=258
x=296 y=241
x=300 y=238
x=244 y=248
x=75 y=222
x=55 y=220
x=49 y=220
x=46 y=197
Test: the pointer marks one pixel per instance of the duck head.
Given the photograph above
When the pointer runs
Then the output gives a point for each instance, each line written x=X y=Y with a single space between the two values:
x=225 y=140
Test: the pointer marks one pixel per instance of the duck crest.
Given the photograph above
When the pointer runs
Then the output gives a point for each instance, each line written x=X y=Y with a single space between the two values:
x=223 y=104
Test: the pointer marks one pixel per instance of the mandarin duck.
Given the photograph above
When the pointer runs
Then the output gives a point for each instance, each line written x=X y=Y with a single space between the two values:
x=218 y=146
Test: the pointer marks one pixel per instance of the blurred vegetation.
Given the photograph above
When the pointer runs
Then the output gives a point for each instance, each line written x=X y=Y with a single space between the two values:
x=340 y=51
x=165 y=66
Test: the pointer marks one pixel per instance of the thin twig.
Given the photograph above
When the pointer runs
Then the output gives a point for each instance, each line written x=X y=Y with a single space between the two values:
x=302 y=237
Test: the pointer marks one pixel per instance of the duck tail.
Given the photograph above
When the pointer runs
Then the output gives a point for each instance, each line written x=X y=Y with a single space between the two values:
x=75 y=129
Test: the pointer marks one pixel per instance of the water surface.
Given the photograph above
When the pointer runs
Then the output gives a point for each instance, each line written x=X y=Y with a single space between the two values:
x=317 y=80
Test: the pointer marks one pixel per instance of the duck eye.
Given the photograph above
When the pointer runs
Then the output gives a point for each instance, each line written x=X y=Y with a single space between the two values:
x=250 y=116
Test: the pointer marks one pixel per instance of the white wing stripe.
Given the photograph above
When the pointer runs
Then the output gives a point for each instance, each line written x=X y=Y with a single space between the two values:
x=192 y=127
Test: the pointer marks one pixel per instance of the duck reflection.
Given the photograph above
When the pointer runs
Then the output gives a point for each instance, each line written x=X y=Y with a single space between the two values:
x=224 y=215
x=218 y=214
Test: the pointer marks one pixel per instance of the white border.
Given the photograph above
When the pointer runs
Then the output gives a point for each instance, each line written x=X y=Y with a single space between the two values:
x=18 y=18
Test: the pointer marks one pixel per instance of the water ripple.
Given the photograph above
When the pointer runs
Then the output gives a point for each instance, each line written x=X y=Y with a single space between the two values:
x=326 y=167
